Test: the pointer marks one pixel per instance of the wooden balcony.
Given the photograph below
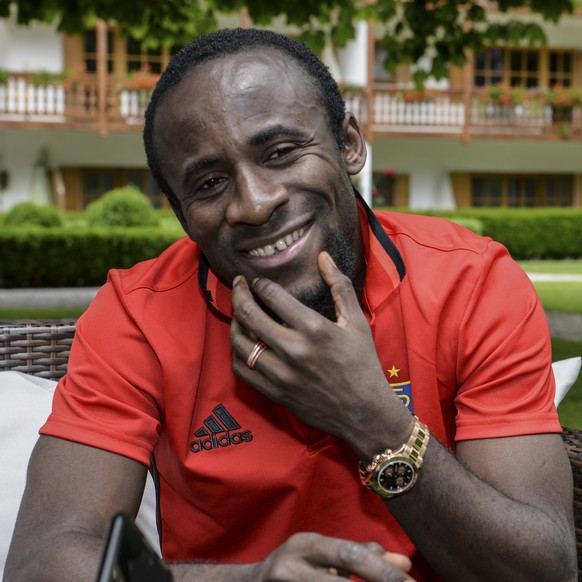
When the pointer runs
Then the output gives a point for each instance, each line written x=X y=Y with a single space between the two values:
x=85 y=105
x=384 y=112
x=463 y=114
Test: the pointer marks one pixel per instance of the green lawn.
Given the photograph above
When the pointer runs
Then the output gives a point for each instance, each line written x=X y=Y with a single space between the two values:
x=560 y=296
x=570 y=409
x=36 y=313
x=568 y=266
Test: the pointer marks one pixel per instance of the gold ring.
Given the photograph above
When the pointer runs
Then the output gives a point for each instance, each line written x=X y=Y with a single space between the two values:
x=257 y=350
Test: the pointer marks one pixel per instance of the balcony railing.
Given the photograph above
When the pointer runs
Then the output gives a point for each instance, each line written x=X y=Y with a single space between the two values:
x=470 y=116
x=382 y=111
x=74 y=104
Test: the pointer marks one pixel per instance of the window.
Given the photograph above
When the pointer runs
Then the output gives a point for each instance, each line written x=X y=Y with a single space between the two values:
x=151 y=60
x=489 y=67
x=380 y=72
x=90 y=51
x=384 y=189
x=524 y=68
x=98 y=181
x=486 y=192
x=527 y=68
x=559 y=191
x=521 y=191
x=561 y=69
x=125 y=55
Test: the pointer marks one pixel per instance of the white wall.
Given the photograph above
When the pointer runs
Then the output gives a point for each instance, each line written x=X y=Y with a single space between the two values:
x=353 y=57
x=34 y=47
x=565 y=34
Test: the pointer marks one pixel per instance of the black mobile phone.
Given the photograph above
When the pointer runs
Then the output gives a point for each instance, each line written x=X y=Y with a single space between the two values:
x=128 y=556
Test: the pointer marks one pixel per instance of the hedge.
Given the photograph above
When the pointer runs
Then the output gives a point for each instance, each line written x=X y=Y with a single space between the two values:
x=74 y=257
x=533 y=233
x=81 y=256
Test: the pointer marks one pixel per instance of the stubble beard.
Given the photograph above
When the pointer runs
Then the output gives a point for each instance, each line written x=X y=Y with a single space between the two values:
x=319 y=297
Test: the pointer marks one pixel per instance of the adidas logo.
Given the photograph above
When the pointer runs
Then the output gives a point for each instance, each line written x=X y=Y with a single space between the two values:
x=220 y=430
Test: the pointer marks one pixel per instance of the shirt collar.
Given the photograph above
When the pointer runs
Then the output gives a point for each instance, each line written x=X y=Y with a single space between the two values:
x=384 y=267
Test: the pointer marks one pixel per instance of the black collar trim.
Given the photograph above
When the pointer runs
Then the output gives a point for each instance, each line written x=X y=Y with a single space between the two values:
x=383 y=238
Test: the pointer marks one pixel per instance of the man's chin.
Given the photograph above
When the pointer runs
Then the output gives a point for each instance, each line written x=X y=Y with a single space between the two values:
x=320 y=300
x=317 y=298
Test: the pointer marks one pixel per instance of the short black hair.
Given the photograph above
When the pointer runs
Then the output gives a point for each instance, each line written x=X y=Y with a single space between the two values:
x=230 y=41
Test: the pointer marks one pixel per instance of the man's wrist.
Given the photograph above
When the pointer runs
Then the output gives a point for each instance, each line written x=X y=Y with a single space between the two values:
x=394 y=472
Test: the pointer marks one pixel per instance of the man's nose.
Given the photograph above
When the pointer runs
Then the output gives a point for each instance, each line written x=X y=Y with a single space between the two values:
x=257 y=195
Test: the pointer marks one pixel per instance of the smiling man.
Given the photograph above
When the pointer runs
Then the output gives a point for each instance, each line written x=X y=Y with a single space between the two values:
x=312 y=384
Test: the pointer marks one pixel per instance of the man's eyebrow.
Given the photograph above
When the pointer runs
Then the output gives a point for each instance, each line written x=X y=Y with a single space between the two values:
x=265 y=135
x=199 y=166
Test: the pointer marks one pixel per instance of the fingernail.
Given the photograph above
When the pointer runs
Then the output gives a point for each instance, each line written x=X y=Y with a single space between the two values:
x=236 y=280
x=330 y=259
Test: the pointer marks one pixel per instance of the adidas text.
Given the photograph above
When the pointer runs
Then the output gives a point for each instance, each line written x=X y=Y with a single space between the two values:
x=224 y=440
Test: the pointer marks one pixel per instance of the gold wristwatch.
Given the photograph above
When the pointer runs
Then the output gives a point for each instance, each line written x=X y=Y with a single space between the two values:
x=393 y=473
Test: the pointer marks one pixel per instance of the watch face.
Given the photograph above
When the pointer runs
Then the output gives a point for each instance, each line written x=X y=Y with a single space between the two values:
x=396 y=476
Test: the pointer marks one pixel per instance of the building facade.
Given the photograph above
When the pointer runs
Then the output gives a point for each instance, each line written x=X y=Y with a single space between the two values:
x=506 y=130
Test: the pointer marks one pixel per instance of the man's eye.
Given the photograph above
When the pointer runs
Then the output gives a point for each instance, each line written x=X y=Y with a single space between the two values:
x=210 y=183
x=280 y=152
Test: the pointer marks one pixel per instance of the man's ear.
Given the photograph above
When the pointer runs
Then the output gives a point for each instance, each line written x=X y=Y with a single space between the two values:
x=354 y=151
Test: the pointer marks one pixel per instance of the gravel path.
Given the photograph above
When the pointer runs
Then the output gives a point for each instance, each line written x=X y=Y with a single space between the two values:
x=565 y=325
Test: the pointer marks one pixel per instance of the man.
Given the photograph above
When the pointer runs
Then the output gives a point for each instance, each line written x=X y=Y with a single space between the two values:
x=250 y=366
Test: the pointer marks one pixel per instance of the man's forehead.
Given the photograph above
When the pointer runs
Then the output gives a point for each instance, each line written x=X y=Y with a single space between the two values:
x=259 y=81
x=244 y=94
x=269 y=63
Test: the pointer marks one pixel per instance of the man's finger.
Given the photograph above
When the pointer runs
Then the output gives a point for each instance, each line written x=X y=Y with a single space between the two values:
x=342 y=291
x=401 y=561
x=289 y=309
x=249 y=314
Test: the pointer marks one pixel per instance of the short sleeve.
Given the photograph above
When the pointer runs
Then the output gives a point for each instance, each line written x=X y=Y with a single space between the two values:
x=110 y=397
x=504 y=373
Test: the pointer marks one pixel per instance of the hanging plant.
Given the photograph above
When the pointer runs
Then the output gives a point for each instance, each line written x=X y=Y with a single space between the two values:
x=502 y=95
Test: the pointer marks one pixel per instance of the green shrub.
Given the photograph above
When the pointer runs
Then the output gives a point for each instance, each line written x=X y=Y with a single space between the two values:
x=31 y=214
x=76 y=256
x=121 y=207
x=473 y=224
x=528 y=233
x=540 y=233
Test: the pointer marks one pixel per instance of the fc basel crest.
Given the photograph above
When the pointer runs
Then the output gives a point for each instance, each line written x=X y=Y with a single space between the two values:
x=402 y=389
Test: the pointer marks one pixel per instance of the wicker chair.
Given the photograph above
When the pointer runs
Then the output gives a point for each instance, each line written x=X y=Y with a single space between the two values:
x=42 y=349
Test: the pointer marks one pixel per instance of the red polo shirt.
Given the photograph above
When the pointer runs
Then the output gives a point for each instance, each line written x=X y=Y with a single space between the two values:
x=457 y=326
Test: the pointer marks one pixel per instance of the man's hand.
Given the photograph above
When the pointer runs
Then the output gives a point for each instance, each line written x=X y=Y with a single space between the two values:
x=326 y=373
x=306 y=557
x=310 y=556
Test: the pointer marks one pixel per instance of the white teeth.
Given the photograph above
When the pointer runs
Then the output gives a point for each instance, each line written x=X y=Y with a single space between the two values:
x=280 y=245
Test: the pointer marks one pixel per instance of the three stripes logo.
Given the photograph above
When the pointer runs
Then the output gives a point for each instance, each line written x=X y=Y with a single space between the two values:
x=220 y=429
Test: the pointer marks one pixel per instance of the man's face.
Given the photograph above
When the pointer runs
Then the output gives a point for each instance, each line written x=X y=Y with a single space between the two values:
x=262 y=184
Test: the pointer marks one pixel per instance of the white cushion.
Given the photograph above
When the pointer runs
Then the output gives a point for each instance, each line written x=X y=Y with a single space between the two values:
x=565 y=373
x=25 y=405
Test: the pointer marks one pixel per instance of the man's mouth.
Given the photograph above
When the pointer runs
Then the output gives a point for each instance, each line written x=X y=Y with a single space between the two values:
x=279 y=245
